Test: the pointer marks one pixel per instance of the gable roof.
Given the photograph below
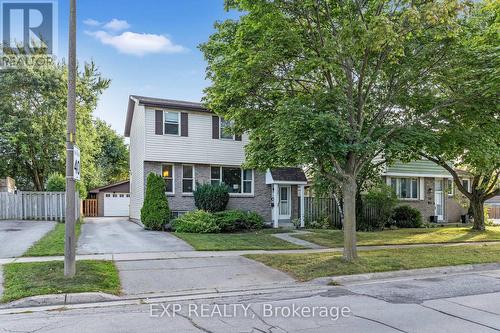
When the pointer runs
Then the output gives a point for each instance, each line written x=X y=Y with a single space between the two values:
x=159 y=103
x=286 y=176
x=99 y=189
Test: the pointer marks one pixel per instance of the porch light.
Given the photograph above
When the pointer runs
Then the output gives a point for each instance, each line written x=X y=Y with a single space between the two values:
x=166 y=174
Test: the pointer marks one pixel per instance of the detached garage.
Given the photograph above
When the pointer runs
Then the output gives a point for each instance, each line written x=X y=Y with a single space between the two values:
x=110 y=200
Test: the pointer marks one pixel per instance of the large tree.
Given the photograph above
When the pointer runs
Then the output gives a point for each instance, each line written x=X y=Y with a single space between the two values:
x=324 y=83
x=32 y=123
x=466 y=134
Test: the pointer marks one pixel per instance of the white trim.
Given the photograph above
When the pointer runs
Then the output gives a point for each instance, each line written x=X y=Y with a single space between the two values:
x=302 y=203
x=193 y=179
x=275 y=208
x=178 y=122
x=418 y=175
x=173 y=177
x=422 y=188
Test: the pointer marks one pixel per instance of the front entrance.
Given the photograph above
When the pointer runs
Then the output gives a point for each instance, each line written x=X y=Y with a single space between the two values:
x=285 y=202
x=439 y=198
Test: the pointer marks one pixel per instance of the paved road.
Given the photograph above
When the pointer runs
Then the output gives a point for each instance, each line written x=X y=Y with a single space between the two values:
x=17 y=236
x=118 y=235
x=449 y=303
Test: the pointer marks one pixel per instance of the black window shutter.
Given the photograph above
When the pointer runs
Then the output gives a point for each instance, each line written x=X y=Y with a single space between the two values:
x=215 y=127
x=158 y=122
x=184 y=124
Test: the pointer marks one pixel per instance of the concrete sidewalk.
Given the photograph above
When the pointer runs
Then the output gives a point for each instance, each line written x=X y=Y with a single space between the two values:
x=205 y=254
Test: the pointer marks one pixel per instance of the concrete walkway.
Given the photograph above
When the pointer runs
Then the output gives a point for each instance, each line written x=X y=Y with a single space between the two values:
x=118 y=235
x=289 y=238
x=206 y=254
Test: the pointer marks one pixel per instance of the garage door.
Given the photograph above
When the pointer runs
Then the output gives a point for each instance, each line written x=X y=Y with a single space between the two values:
x=116 y=204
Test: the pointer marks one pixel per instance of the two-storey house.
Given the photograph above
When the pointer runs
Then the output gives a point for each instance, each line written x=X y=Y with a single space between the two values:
x=187 y=145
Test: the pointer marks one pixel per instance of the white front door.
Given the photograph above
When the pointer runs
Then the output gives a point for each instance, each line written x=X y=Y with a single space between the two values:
x=116 y=204
x=285 y=203
x=439 y=198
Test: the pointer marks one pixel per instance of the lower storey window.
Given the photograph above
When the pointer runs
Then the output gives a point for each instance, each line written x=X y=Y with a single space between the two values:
x=406 y=188
x=237 y=179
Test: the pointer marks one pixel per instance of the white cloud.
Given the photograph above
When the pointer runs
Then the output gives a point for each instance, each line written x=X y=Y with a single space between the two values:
x=92 y=22
x=117 y=25
x=138 y=44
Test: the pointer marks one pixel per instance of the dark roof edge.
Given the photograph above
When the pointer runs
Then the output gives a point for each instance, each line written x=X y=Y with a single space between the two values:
x=109 y=185
x=159 y=103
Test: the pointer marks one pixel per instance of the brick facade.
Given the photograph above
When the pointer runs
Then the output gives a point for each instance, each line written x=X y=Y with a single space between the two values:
x=427 y=206
x=259 y=202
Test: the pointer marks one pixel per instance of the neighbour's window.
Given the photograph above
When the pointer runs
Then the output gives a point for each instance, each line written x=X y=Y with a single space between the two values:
x=187 y=179
x=237 y=179
x=225 y=129
x=406 y=188
x=108 y=195
x=167 y=172
x=171 y=122
x=465 y=183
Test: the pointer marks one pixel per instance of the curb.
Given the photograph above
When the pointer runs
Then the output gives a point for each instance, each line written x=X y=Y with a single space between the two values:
x=345 y=279
x=89 y=300
x=60 y=299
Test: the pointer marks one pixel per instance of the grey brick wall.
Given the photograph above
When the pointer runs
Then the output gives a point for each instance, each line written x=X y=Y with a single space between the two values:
x=260 y=202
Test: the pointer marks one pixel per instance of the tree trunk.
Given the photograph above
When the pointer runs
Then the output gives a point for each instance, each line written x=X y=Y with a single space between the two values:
x=349 y=192
x=478 y=212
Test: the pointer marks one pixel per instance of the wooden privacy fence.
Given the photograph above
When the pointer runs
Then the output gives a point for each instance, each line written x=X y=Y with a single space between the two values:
x=494 y=212
x=317 y=209
x=90 y=208
x=48 y=206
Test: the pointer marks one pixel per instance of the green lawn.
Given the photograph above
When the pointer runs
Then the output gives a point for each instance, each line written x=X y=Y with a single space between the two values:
x=305 y=267
x=52 y=244
x=256 y=240
x=42 y=278
x=334 y=238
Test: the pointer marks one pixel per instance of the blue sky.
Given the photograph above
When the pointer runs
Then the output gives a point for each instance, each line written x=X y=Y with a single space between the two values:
x=146 y=47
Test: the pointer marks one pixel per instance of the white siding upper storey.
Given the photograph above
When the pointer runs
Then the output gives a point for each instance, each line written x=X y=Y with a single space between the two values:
x=198 y=147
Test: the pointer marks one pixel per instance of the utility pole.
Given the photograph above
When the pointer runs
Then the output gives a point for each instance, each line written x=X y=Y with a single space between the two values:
x=70 y=245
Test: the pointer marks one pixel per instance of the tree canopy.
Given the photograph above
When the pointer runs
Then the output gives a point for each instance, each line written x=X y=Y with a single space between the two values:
x=33 y=127
x=327 y=83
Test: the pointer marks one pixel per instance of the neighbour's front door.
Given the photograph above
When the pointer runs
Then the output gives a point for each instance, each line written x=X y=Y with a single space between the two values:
x=439 y=199
x=285 y=206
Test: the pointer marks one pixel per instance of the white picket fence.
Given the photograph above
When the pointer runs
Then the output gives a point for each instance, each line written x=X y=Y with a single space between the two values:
x=48 y=206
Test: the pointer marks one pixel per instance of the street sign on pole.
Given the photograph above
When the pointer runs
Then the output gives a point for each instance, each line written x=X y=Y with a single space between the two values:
x=76 y=163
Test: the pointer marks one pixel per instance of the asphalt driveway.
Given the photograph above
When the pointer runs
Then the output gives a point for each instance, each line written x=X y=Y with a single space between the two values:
x=17 y=236
x=118 y=235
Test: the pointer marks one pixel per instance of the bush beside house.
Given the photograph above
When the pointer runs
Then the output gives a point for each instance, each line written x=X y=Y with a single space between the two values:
x=407 y=217
x=155 y=213
x=379 y=203
x=200 y=221
x=211 y=197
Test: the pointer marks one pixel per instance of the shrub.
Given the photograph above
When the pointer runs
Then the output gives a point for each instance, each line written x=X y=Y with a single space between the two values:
x=407 y=217
x=237 y=220
x=197 y=221
x=56 y=183
x=211 y=197
x=378 y=203
x=155 y=212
